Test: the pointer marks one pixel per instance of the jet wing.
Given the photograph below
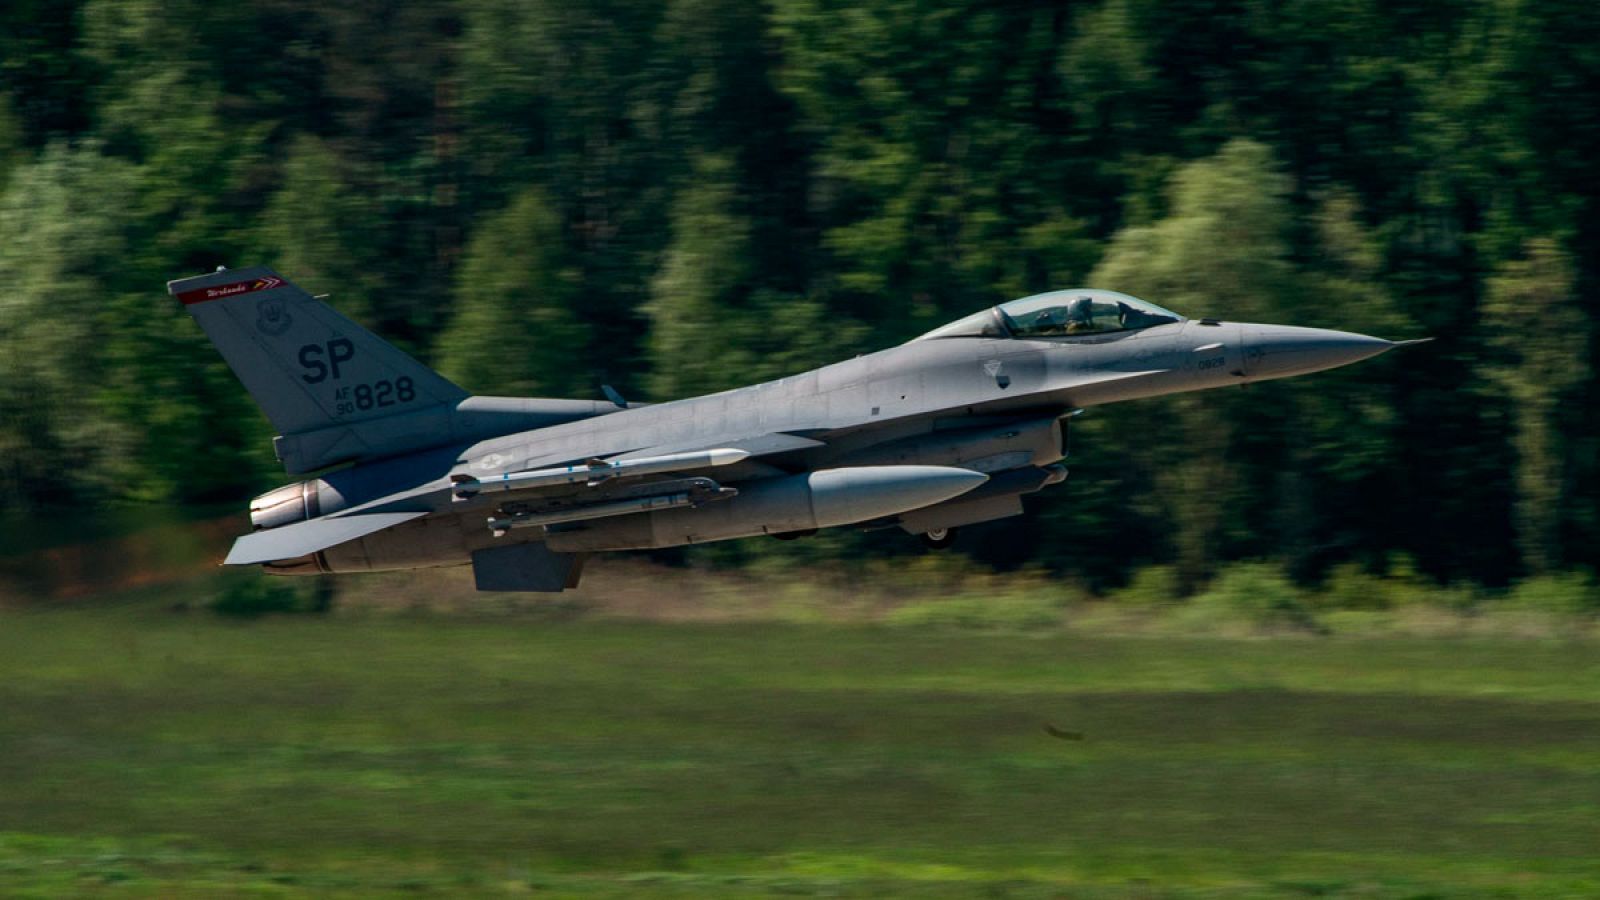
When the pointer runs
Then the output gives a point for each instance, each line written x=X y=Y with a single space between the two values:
x=302 y=538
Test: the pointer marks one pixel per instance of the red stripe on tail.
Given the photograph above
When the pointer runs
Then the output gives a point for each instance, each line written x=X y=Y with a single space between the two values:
x=221 y=291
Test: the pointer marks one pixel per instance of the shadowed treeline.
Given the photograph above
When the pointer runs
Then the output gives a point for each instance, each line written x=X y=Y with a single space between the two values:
x=682 y=195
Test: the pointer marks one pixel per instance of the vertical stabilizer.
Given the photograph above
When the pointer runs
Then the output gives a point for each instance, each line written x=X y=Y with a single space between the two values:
x=308 y=367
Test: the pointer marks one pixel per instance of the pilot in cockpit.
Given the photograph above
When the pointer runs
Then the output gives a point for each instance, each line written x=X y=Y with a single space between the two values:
x=1080 y=316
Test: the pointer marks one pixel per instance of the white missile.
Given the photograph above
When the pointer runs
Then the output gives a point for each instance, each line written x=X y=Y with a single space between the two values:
x=595 y=471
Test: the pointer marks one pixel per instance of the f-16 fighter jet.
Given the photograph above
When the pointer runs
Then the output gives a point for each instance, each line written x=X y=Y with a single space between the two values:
x=947 y=430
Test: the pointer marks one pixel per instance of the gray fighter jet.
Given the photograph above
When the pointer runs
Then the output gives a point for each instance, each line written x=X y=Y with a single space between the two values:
x=947 y=430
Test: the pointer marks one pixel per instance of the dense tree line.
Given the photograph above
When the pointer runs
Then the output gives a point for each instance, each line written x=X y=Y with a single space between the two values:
x=676 y=196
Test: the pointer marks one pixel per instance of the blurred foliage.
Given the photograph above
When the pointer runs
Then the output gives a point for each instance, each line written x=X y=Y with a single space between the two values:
x=1003 y=612
x=11 y=150
x=1532 y=318
x=676 y=196
x=65 y=225
x=1259 y=594
x=1567 y=594
x=516 y=290
x=1149 y=586
x=714 y=326
x=312 y=225
x=248 y=595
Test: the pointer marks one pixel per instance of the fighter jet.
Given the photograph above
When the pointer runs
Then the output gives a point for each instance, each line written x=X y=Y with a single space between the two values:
x=408 y=470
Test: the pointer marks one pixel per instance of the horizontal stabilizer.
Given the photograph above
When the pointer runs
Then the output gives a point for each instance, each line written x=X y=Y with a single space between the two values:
x=302 y=538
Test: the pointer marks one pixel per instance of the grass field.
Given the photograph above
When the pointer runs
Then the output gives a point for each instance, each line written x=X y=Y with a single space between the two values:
x=151 y=753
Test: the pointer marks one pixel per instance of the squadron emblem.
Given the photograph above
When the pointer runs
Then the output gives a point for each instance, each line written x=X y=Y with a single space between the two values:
x=272 y=317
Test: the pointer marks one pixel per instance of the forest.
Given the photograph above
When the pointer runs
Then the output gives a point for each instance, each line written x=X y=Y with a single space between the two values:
x=679 y=196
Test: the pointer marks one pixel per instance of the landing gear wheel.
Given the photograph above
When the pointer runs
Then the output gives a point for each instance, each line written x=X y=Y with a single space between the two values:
x=939 y=538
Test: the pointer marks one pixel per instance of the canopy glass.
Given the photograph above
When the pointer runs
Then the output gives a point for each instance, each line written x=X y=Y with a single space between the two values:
x=1060 y=314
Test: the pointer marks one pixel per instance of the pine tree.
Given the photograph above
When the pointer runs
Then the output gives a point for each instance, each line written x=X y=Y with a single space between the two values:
x=514 y=330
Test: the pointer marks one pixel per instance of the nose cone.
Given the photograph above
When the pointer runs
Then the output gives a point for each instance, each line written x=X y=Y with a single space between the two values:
x=1279 y=351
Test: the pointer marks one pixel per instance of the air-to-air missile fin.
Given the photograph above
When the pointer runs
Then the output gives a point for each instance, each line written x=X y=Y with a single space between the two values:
x=301 y=538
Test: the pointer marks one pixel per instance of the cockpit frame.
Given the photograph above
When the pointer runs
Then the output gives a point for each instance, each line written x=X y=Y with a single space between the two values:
x=1077 y=312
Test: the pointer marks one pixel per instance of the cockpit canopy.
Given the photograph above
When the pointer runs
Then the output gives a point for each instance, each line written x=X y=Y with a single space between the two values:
x=1067 y=313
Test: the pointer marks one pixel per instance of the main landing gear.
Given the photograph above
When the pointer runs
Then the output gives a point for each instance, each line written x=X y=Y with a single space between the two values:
x=939 y=538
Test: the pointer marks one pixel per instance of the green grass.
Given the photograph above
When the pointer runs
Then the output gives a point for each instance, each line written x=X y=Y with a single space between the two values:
x=149 y=753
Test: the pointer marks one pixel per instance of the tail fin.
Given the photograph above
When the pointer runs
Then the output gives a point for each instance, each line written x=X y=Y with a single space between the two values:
x=308 y=367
